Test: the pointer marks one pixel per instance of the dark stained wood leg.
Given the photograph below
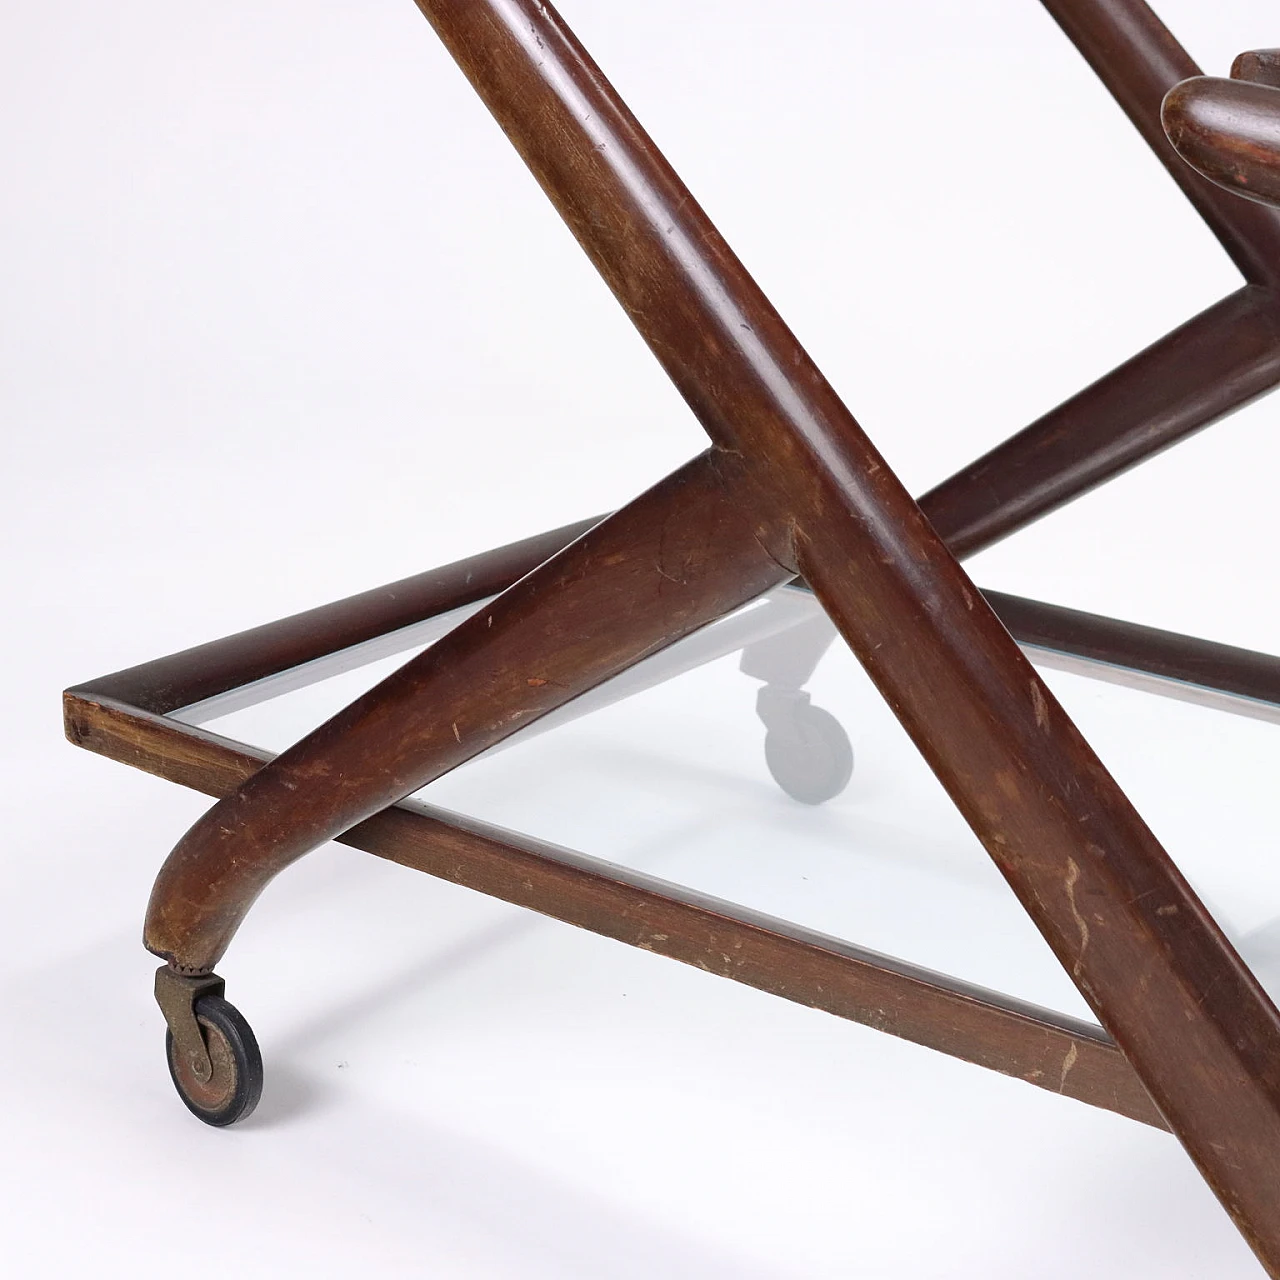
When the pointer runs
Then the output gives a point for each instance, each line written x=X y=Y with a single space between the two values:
x=1229 y=132
x=1152 y=963
x=1198 y=1029
x=1136 y=56
x=1203 y=370
x=1262 y=66
x=792 y=485
x=685 y=553
x=785 y=959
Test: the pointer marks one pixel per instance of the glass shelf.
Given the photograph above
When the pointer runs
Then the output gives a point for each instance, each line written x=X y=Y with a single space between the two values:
x=663 y=770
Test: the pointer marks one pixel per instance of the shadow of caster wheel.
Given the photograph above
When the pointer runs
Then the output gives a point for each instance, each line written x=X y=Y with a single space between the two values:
x=234 y=1085
x=805 y=747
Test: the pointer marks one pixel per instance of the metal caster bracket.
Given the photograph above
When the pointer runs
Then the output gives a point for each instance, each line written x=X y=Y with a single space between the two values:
x=176 y=994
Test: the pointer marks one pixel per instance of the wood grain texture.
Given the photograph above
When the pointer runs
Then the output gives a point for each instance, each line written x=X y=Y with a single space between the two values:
x=793 y=485
x=1108 y=899
x=1259 y=65
x=1137 y=58
x=1212 y=365
x=680 y=556
x=1228 y=131
x=1050 y=1050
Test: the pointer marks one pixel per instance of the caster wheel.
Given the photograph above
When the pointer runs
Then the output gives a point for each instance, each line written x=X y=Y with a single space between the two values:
x=233 y=1090
x=808 y=753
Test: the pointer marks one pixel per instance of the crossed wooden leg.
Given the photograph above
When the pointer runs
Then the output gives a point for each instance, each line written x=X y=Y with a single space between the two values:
x=1198 y=373
x=680 y=556
x=791 y=485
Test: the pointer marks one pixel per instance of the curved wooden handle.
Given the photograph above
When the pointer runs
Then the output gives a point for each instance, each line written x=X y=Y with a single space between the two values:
x=1229 y=130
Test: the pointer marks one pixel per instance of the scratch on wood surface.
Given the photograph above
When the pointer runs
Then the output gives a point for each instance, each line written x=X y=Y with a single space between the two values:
x=1073 y=874
x=1067 y=1063
x=1041 y=706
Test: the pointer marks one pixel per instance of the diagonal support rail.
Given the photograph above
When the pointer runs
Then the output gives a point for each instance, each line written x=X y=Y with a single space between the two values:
x=1136 y=56
x=1040 y=1046
x=1210 y=366
x=680 y=556
x=1108 y=899
x=1198 y=1030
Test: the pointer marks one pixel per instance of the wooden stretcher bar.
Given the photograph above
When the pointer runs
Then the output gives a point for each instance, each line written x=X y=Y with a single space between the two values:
x=791 y=486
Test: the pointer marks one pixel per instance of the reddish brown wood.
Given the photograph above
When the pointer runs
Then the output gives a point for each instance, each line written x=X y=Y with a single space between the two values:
x=1259 y=65
x=1203 y=370
x=1110 y=903
x=209 y=669
x=1136 y=56
x=1221 y=668
x=1229 y=132
x=1097 y=883
x=680 y=556
x=1044 y=1048
x=793 y=485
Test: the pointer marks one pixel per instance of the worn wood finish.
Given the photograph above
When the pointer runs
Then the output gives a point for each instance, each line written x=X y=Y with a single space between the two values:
x=1229 y=132
x=1223 y=668
x=1205 y=369
x=682 y=555
x=210 y=669
x=207 y=670
x=1044 y=1048
x=1136 y=56
x=1259 y=65
x=982 y=1027
x=793 y=485
x=1103 y=892
x=1092 y=876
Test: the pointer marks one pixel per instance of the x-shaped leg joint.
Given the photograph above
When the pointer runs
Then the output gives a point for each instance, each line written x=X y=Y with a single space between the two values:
x=790 y=485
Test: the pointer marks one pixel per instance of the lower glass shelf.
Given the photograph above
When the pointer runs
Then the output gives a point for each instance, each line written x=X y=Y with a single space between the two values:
x=665 y=771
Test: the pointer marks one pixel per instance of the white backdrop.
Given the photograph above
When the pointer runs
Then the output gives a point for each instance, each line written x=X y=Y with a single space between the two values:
x=283 y=317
